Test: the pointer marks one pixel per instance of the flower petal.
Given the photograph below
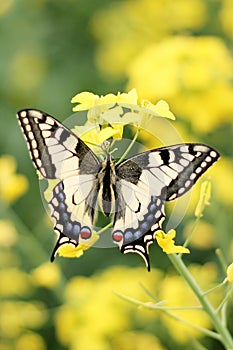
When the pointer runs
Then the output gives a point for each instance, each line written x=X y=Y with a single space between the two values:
x=85 y=99
x=160 y=109
x=130 y=97
x=167 y=243
x=69 y=250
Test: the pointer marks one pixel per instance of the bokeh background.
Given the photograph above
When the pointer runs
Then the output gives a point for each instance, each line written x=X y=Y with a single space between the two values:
x=179 y=51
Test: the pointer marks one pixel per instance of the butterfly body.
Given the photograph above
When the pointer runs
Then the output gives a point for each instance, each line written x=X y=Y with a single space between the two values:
x=133 y=192
x=107 y=185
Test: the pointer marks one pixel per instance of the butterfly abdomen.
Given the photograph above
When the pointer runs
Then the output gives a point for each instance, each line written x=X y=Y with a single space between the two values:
x=107 y=181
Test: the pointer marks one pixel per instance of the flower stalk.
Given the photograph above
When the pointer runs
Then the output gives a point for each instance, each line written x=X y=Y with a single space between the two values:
x=220 y=327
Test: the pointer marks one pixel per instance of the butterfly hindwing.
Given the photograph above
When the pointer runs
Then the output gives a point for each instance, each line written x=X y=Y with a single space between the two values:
x=146 y=181
x=72 y=212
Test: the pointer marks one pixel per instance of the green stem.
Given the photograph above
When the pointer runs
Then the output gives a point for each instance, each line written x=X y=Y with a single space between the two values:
x=170 y=314
x=129 y=148
x=105 y=228
x=225 y=336
x=224 y=301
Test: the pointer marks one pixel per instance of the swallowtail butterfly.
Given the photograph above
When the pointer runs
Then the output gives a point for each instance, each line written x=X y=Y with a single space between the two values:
x=133 y=192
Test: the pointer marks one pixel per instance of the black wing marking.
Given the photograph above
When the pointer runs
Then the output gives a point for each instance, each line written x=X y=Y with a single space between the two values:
x=55 y=150
x=58 y=153
x=145 y=182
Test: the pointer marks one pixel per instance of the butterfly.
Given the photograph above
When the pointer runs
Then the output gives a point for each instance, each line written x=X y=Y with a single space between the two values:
x=133 y=192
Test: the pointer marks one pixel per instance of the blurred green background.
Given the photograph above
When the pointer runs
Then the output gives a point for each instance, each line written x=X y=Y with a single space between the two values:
x=179 y=51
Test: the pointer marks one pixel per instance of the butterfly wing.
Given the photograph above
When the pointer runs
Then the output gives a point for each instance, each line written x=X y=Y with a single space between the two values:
x=145 y=182
x=57 y=153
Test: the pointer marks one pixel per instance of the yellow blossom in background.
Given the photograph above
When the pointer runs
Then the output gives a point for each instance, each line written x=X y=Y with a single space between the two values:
x=142 y=22
x=175 y=292
x=226 y=16
x=32 y=65
x=223 y=180
x=167 y=243
x=204 y=237
x=18 y=315
x=30 y=341
x=5 y=6
x=230 y=273
x=90 y=304
x=8 y=234
x=12 y=185
x=136 y=341
x=190 y=76
x=46 y=275
x=14 y=282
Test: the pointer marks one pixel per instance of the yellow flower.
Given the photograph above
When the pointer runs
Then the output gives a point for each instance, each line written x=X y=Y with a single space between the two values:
x=167 y=243
x=161 y=108
x=69 y=250
x=87 y=100
x=98 y=136
x=115 y=131
x=205 y=195
x=109 y=110
x=12 y=185
x=230 y=273
x=46 y=275
x=131 y=97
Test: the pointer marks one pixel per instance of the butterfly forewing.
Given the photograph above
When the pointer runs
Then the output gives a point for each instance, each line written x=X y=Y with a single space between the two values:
x=55 y=150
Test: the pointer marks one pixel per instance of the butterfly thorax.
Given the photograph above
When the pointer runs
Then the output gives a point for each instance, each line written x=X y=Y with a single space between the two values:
x=107 y=181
